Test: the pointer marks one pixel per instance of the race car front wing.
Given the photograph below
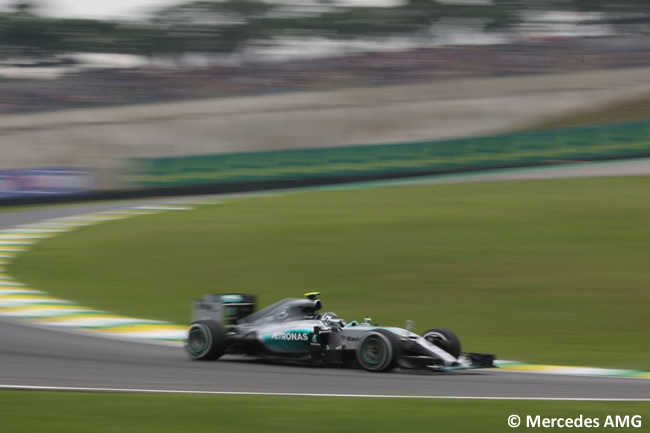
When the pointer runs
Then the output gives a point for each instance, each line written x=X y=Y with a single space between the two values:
x=465 y=361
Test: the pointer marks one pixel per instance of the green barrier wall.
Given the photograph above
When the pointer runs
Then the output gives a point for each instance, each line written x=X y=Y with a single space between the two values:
x=529 y=148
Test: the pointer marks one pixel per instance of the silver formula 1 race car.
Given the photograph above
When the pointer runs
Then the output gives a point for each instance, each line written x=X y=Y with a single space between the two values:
x=294 y=329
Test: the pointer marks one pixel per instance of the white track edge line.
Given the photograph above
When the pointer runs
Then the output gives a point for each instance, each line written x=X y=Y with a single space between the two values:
x=304 y=394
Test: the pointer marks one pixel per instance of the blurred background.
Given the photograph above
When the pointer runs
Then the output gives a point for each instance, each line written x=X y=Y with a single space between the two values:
x=110 y=99
x=121 y=94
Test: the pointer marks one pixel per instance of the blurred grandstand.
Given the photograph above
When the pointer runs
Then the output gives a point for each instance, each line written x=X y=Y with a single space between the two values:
x=94 y=86
x=224 y=48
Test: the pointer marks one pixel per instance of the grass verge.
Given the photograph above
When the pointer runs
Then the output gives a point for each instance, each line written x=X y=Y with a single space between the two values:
x=75 y=412
x=539 y=271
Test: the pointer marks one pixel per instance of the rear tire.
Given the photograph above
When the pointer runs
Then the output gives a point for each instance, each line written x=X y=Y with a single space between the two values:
x=378 y=351
x=206 y=340
x=444 y=339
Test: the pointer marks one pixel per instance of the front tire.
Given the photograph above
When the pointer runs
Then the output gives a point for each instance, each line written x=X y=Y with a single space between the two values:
x=206 y=340
x=444 y=339
x=377 y=351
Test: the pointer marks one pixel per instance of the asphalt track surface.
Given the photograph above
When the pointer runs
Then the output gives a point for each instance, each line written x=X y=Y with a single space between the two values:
x=36 y=356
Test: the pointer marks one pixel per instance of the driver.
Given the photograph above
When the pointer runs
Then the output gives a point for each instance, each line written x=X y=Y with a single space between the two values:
x=332 y=319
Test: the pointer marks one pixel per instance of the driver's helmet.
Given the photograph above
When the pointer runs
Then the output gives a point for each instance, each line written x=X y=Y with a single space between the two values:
x=328 y=316
x=332 y=319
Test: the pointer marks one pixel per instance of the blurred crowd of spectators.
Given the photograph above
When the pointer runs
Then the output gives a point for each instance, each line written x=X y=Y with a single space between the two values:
x=149 y=84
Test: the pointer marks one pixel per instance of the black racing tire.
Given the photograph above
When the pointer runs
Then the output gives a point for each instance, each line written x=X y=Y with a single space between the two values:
x=378 y=350
x=206 y=340
x=444 y=339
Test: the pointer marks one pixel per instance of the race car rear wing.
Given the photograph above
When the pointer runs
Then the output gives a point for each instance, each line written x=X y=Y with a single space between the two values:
x=225 y=309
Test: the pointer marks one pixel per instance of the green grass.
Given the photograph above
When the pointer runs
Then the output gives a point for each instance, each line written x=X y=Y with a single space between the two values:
x=540 y=271
x=34 y=412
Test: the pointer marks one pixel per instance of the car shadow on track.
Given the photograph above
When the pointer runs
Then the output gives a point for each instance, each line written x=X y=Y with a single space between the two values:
x=231 y=359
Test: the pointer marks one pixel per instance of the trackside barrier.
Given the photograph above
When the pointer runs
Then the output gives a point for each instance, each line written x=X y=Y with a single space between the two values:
x=612 y=141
